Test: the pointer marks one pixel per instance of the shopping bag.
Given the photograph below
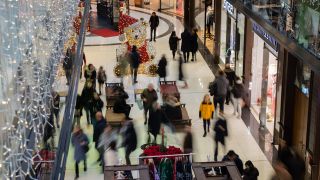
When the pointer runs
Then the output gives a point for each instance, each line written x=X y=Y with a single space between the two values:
x=140 y=104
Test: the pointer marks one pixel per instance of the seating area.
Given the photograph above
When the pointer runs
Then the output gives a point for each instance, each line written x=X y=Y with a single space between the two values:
x=185 y=120
x=112 y=92
x=169 y=88
x=114 y=119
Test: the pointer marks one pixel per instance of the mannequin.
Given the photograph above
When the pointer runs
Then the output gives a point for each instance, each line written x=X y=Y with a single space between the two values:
x=209 y=20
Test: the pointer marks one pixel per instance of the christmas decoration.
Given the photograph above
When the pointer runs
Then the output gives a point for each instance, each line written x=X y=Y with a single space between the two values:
x=32 y=38
x=153 y=69
x=117 y=70
x=133 y=32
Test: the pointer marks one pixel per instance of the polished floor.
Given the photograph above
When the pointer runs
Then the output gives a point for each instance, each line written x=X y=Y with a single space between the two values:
x=101 y=52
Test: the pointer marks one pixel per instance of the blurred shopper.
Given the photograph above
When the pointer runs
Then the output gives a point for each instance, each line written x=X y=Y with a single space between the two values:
x=238 y=92
x=180 y=70
x=250 y=172
x=134 y=63
x=91 y=75
x=221 y=131
x=87 y=98
x=78 y=110
x=56 y=107
x=186 y=44
x=121 y=106
x=162 y=68
x=206 y=113
x=172 y=107
x=129 y=140
x=194 y=44
x=154 y=23
x=219 y=90
x=232 y=156
x=188 y=141
x=68 y=62
x=111 y=157
x=80 y=141
x=102 y=78
x=156 y=117
x=173 y=43
x=98 y=130
x=148 y=96
x=95 y=106
x=231 y=76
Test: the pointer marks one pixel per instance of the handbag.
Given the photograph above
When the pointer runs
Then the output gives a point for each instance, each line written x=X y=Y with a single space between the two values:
x=85 y=148
x=140 y=104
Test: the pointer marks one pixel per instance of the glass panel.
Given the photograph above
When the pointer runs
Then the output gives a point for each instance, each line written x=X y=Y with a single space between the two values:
x=240 y=43
x=223 y=36
x=302 y=80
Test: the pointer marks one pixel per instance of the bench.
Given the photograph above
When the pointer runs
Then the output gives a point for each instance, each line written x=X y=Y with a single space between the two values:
x=114 y=119
x=184 y=121
x=169 y=88
x=111 y=96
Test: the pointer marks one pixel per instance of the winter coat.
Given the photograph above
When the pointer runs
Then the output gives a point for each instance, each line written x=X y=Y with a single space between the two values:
x=102 y=77
x=120 y=105
x=186 y=41
x=194 y=42
x=87 y=96
x=79 y=152
x=156 y=117
x=79 y=107
x=238 y=91
x=130 y=139
x=237 y=161
x=222 y=84
x=219 y=133
x=154 y=22
x=173 y=43
x=250 y=174
x=187 y=144
x=135 y=59
x=162 y=71
x=98 y=129
x=181 y=77
x=206 y=110
x=67 y=62
x=151 y=97
x=90 y=75
x=96 y=106
x=231 y=76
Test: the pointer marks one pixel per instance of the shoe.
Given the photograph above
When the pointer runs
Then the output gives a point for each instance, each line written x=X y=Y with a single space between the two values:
x=135 y=82
x=205 y=134
x=77 y=177
x=154 y=40
x=150 y=40
x=227 y=103
x=192 y=60
x=85 y=169
x=145 y=122
x=208 y=129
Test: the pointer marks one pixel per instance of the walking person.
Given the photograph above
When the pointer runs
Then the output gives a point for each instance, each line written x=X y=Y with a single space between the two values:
x=250 y=172
x=154 y=23
x=96 y=105
x=206 y=111
x=219 y=90
x=87 y=98
x=98 y=129
x=173 y=43
x=185 y=44
x=194 y=44
x=78 y=111
x=130 y=140
x=134 y=63
x=156 y=117
x=162 y=68
x=180 y=70
x=148 y=96
x=80 y=141
x=111 y=157
x=121 y=106
x=231 y=76
x=56 y=107
x=102 y=78
x=238 y=93
x=232 y=156
x=91 y=75
x=68 y=63
x=221 y=131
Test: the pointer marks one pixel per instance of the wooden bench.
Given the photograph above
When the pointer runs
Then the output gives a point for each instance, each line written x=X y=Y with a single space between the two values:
x=114 y=119
x=111 y=96
x=184 y=121
x=169 y=88
x=143 y=171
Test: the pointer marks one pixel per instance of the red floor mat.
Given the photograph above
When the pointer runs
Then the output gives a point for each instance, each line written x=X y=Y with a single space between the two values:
x=104 y=32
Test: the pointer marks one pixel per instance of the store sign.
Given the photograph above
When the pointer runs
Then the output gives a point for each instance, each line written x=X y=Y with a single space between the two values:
x=228 y=7
x=265 y=36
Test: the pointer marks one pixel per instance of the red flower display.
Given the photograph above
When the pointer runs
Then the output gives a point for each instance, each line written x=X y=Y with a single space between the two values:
x=155 y=151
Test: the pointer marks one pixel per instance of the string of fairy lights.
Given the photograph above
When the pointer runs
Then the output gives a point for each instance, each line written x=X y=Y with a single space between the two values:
x=32 y=38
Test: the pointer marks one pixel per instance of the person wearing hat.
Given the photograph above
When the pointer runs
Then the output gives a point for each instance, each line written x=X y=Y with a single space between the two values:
x=238 y=92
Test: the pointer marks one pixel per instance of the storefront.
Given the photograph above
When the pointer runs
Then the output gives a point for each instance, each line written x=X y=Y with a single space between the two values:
x=232 y=37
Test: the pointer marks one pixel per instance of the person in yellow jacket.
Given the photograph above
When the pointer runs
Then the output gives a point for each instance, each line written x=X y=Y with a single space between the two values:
x=206 y=112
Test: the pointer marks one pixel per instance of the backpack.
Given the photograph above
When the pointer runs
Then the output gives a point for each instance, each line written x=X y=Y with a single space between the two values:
x=213 y=88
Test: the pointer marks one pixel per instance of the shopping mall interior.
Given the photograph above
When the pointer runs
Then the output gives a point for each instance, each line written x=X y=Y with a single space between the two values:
x=159 y=89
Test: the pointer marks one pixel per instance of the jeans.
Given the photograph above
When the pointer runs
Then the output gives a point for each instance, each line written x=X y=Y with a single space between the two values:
x=206 y=124
x=77 y=167
x=174 y=53
x=219 y=100
x=134 y=72
x=216 y=150
x=153 y=31
x=237 y=106
x=194 y=58
x=186 y=56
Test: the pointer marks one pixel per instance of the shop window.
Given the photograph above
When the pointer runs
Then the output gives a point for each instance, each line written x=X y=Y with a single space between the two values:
x=302 y=80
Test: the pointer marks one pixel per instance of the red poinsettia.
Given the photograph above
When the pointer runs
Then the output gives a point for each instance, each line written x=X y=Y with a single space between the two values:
x=155 y=151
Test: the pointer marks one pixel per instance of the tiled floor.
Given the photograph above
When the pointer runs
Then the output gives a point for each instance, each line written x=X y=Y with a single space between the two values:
x=198 y=76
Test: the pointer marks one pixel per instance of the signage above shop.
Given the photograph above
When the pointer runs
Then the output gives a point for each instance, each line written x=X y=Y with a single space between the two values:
x=228 y=7
x=265 y=36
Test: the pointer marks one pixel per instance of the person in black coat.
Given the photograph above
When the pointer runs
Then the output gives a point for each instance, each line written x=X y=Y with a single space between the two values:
x=134 y=63
x=232 y=156
x=180 y=70
x=96 y=106
x=86 y=99
x=185 y=44
x=78 y=111
x=250 y=172
x=162 y=68
x=56 y=107
x=121 y=106
x=194 y=44
x=98 y=129
x=91 y=75
x=231 y=76
x=173 y=43
x=130 y=140
x=156 y=117
x=154 y=23
x=221 y=131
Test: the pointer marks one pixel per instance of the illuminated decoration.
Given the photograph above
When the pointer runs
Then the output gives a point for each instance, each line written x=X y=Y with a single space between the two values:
x=134 y=32
x=153 y=69
x=77 y=20
x=117 y=70
x=32 y=38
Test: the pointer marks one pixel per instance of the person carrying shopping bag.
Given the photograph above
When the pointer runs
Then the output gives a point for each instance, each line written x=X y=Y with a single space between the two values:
x=206 y=112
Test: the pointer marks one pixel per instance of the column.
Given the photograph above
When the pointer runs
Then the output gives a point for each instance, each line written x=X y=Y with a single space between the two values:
x=264 y=88
x=217 y=16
